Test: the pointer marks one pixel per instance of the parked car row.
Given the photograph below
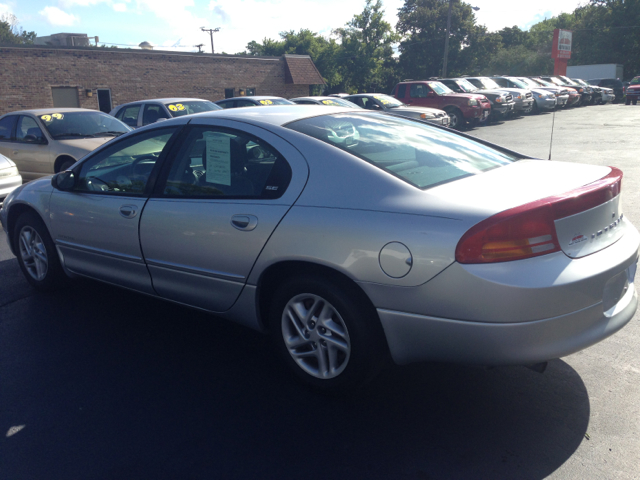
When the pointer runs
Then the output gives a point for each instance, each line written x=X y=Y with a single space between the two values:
x=45 y=141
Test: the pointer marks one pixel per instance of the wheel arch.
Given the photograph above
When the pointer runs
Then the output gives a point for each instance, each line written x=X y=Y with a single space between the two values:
x=271 y=278
x=15 y=212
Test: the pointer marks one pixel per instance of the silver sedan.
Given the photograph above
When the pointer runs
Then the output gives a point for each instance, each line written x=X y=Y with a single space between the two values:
x=350 y=236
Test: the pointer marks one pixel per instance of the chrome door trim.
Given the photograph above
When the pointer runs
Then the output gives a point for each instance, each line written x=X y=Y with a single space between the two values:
x=196 y=271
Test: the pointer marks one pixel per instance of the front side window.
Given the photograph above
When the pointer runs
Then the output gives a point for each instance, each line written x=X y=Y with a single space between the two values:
x=28 y=131
x=6 y=127
x=125 y=167
x=420 y=155
x=218 y=163
x=418 y=90
x=68 y=125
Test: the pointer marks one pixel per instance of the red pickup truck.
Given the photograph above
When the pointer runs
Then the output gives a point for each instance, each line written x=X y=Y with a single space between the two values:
x=463 y=108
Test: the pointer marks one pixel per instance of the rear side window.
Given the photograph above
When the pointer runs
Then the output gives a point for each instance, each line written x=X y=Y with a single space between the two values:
x=421 y=155
x=6 y=127
x=129 y=115
x=402 y=91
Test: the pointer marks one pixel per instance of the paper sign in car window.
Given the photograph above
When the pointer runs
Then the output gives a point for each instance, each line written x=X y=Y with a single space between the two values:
x=52 y=117
x=179 y=106
x=382 y=100
x=218 y=152
x=266 y=102
x=330 y=102
x=173 y=108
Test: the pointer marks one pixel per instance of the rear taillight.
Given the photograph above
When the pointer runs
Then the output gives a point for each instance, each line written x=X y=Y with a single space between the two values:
x=529 y=230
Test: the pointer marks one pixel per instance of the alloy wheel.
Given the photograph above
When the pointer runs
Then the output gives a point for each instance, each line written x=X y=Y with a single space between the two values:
x=33 y=253
x=316 y=336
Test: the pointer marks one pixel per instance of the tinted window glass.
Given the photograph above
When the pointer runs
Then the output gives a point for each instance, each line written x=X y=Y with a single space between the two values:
x=228 y=104
x=29 y=131
x=245 y=103
x=216 y=162
x=418 y=90
x=130 y=115
x=152 y=113
x=418 y=154
x=125 y=167
x=402 y=91
x=6 y=127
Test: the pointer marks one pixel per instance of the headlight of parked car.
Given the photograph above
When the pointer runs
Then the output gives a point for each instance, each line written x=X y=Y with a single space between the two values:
x=498 y=99
x=473 y=102
x=8 y=172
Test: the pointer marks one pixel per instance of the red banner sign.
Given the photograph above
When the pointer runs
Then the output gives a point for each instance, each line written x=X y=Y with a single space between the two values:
x=561 y=43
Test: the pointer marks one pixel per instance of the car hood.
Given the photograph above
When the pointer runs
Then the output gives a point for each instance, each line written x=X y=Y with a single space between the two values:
x=408 y=108
x=477 y=96
x=88 y=144
x=491 y=91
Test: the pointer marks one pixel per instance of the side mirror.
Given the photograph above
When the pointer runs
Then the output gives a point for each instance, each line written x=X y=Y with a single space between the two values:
x=33 y=139
x=64 y=181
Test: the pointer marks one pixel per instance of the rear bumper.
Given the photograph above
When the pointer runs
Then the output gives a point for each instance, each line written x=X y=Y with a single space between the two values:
x=415 y=338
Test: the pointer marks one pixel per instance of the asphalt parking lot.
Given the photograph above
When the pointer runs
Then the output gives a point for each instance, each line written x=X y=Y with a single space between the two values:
x=100 y=383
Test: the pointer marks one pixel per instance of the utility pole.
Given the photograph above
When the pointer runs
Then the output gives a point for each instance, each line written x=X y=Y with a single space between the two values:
x=199 y=47
x=211 y=32
x=446 y=40
x=446 y=43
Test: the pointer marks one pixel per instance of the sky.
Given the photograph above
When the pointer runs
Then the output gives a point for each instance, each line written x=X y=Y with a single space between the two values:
x=175 y=24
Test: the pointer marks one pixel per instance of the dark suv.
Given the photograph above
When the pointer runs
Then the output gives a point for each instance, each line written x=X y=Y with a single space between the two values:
x=613 y=83
x=502 y=103
x=463 y=109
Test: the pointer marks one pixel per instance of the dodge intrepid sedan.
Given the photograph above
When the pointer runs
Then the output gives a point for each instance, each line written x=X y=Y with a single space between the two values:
x=349 y=236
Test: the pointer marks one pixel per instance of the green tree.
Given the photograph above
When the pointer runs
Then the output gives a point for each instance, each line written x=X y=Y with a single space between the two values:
x=11 y=33
x=422 y=25
x=366 y=62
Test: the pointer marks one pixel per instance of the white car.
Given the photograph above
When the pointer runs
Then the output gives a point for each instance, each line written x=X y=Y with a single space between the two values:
x=10 y=178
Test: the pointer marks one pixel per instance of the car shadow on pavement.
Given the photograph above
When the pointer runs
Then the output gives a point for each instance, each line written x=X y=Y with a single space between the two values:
x=102 y=383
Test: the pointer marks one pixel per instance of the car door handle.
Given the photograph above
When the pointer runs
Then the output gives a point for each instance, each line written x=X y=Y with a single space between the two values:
x=15 y=152
x=128 y=211
x=244 y=222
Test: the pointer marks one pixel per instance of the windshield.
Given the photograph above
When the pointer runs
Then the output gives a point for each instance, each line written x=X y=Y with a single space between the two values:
x=466 y=85
x=635 y=81
x=440 y=88
x=188 y=107
x=557 y=81
x=82 y=124
x=275 y=101
x=338 y=102
x=529 y=83
x=488 y=83
x=519 y=83
x=388 y=101
x=420 y=155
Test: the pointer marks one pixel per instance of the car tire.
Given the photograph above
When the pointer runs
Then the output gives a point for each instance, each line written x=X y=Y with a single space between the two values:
x=64 y=165
x=535 y=110
x=327 y=332
x=627 y=102
x=456 y=118
x=37 y=255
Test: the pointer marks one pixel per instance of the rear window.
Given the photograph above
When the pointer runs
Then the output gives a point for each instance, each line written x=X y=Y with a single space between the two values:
x=188 y=107
x=419 y=154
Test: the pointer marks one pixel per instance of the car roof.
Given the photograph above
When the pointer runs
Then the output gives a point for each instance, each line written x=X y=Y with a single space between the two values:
x=252 y=97
x=369 y=94
x=39 y=111
x=319 y=97
x=274 y=115
x=167 y=100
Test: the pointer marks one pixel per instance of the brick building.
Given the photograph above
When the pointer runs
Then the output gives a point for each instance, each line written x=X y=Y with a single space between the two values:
x=38 y=76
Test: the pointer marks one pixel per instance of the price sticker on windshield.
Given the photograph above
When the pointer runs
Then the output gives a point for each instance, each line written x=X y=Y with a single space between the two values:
x=266 y=102
x=331 y=102
x=382 y=100
x=52 y=117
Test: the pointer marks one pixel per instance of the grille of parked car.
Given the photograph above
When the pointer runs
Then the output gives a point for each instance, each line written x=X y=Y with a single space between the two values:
x=509 y=98
x=529 y=95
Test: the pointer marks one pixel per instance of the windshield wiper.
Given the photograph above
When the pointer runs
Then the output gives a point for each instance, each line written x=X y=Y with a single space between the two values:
x=73 y=135
x=111 y=132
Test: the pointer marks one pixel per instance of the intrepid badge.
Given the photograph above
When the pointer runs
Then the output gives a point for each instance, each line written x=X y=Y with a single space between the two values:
x=577 y=238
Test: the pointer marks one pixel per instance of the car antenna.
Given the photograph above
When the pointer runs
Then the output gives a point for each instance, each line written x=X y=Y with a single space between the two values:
x=553 y=123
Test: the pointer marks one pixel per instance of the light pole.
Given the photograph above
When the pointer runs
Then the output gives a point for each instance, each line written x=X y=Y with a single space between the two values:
x=211 y=32
x=446 y=40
